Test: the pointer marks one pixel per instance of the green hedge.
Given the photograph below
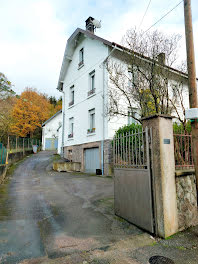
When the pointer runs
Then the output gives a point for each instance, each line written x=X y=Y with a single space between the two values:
x=128 y=128
x=179 y=128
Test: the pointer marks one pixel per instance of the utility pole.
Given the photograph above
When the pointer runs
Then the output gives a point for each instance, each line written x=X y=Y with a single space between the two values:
x=192 y=85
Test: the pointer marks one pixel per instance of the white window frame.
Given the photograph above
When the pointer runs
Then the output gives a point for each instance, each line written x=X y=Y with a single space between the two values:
x=92 y=82
x=71 y=127
x=81 y=57
x=72 y=94
x=132 y=74
x=92 y=122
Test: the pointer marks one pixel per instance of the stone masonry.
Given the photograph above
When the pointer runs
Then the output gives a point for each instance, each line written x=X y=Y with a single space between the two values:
x=186 y=200
x=76 y=154
x=108 y=157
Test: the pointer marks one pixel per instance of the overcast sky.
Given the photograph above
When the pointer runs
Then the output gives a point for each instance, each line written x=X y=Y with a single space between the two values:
x=33 y=33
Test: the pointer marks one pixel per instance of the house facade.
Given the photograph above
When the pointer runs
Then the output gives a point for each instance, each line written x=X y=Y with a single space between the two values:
x=50 y=132
x=86 y=129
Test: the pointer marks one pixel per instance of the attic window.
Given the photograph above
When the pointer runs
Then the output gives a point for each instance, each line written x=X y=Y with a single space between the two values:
x=61 y=86
x=81 y=58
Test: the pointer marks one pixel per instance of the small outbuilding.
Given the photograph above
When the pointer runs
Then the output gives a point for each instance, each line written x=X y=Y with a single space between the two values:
x=50 y=132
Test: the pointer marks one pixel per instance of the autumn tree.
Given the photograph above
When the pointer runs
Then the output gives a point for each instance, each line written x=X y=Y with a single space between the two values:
x=7 y=100
x=5 y=87
x=55 y=105
x=29 y=112
x=141 y=75
x=6 y=118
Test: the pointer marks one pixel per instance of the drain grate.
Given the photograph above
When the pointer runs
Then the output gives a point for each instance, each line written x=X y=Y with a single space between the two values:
x=160 y=260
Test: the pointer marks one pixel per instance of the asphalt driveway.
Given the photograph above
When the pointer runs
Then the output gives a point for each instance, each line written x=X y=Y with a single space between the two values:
x=46 y=213
x=48 y=217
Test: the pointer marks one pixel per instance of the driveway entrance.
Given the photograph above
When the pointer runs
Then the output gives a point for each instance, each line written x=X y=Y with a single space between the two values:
x=43 y=212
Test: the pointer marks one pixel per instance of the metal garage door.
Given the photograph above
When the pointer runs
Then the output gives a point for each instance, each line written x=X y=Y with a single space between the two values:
x=92 y=160
x=51 y=143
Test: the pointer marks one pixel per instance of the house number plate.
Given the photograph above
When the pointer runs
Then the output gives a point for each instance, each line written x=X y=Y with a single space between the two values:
x=166 y=141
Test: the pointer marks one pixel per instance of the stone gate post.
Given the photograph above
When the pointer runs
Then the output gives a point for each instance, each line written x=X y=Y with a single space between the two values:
x=163 y=174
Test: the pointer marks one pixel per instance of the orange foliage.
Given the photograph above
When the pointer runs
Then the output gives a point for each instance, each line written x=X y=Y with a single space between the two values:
x=54 y=109
x=29 y=112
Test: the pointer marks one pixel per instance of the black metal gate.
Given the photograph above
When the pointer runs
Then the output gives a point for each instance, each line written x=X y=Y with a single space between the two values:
x=133 y=180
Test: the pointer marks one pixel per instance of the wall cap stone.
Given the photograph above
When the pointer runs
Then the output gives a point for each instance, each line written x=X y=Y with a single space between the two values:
x=156 y=115
x=180 y=173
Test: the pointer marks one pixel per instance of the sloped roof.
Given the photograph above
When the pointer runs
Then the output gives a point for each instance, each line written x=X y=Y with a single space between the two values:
x=69 y=49
x=60 y=111
x=70 y=46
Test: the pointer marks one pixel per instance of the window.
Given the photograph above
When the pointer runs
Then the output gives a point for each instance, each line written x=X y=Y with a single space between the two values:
x=133 y=76
x=91 y=83
x=71 y=96
x=129 y=78
x=91 y=128
x=81 y=57
x=71 y=128
x=131 y=114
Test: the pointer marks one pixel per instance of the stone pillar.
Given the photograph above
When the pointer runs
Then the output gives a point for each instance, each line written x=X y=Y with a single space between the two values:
x=163 y=174
x=108 y=158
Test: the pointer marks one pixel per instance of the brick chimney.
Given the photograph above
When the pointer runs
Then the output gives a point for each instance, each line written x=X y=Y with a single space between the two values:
x=89 y=24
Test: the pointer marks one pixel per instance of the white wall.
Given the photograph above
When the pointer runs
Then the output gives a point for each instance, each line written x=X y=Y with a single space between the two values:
x=59 y=140
x=50 y=129
x=94 y=54
x=116 y=122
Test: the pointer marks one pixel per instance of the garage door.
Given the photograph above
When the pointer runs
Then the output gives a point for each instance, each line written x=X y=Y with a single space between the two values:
x=92 y=160
x=51 y=143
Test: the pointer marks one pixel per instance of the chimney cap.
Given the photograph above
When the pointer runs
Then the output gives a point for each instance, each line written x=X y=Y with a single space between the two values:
x=92 y=24
x=89 y=24
x=89 y=19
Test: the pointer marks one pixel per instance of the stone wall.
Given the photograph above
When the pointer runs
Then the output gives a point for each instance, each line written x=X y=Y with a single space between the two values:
x=3 y=169
x=186 y=199
x=108 y=157
x=16 y=156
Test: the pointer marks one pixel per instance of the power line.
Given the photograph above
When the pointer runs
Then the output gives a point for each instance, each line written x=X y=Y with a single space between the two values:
x=145 y=13
x=163 y=16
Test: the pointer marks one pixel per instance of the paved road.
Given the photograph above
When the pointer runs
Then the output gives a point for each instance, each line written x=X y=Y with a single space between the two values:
x=48 y=217
x=45 y=213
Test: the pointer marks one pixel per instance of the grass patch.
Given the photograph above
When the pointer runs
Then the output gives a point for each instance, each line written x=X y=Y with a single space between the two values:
x=119 y=219
x=181 y=248
x=56 y=157
x=55 y=210
x=153 y=244
x=172 y=236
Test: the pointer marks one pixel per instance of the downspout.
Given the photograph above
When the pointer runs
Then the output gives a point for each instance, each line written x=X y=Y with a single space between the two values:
x=63 y=125
x=103 y=120
x=103 y=109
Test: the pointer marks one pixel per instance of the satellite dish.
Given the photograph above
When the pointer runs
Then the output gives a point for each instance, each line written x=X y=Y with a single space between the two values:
x=96 y=23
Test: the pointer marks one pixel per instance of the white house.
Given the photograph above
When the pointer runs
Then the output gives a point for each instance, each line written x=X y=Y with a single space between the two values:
x=83 y=80
x=50 y=132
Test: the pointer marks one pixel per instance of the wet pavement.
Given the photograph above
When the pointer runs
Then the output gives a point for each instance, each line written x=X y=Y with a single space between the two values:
x=48 y=217
x=45 y=213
